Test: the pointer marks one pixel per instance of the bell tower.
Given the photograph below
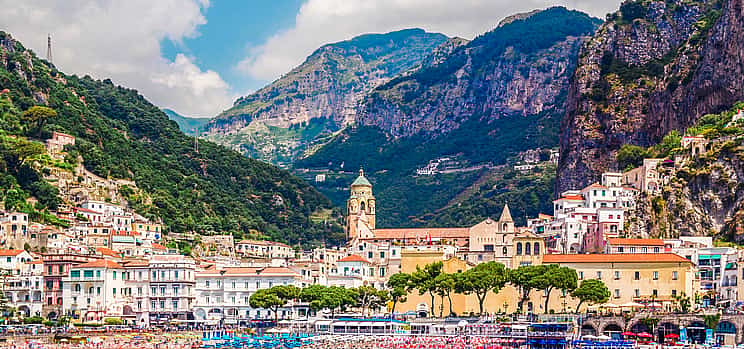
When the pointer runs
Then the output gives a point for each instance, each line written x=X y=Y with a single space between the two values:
x=360 y=206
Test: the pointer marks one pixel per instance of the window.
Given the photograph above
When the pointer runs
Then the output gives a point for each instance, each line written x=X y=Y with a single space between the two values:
x=152 y=305
x=599 y=275
x=369 y=255
x=504 y=251
x=637 y=275
x=537 y=249
x=162 y=304
x=98 y=274
x=674 y=275
x=527 y=248
x=656 y=275
x=175 y=304
x=75 y=273
x=674 y=293
x=382 y=272
x=617 y=275
x=637 y=292
x=98 y=291
x=581 y=275
x=617 y=293
x=114 y=274
x=206 y=283
x=655 y=293
x=519 y=248
x=620 y=249
x=114 y=289
x=382 y=254
x=88 y=273
x=175 y=275
x=153 y=291
x=656 y=250
x=644 y=249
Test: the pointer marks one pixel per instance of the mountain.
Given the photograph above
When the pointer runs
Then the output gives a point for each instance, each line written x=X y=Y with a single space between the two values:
x=319 y=97
x=122 y=135
x=653 y=67
x=480 y=102
x=189 y=126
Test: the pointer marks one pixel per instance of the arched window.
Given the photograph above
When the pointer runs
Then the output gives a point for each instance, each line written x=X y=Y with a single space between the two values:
x=519 y=248
x=504 y=252
x=77 y=287
x=504 y=227
x=361 y=206
x=503 y=238
x=537 y=249
x=527 y=249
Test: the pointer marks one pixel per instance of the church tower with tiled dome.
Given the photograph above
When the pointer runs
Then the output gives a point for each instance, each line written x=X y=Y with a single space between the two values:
x=360 y=208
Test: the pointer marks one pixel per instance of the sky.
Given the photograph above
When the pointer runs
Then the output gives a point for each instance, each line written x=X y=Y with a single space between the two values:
x=197 y=56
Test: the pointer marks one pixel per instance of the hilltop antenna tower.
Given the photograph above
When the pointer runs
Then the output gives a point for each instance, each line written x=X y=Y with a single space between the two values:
x=49 y=48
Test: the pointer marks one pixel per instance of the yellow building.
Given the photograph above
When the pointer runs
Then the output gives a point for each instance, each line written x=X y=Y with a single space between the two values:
x=629 y=278
x=657 y=277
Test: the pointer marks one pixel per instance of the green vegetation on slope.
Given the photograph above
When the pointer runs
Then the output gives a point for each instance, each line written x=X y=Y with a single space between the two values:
x=189 y=126
x=120 y=134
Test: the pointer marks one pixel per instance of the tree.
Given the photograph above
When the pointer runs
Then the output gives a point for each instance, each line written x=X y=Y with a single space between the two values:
x=591 y=291
x=113 y=321
x=445 y=285
x=369 y=297
x=38 y=115
x=268 y=299
x=398 y=284
x=553 y=276
x=711 y=320
x=683 y=302
x=525 y=279
x=630 y=156
x=483 y=278
x=423 y=280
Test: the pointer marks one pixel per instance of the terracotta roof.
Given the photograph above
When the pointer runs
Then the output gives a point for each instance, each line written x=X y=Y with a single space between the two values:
x=136 y=263
x=80 y=209
x=101 y=263
x=248 y=271
x=615 y=258
x=635 y=242
x=413 y=233
x=594 y=186
x=353 y=258
x=157 y=246
x=571 y=197
x=7 y=253
x=107 y=252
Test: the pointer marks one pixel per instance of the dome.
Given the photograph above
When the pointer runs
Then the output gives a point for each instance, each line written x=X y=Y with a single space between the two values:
x=361 y=180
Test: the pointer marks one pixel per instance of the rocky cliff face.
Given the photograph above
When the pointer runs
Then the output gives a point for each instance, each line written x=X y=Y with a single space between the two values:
x=653 y=67
x=522 y=68
x=319 y=96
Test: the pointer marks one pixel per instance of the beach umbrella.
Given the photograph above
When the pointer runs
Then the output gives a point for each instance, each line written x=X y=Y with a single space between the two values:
x=672 y=336
x=645 y=335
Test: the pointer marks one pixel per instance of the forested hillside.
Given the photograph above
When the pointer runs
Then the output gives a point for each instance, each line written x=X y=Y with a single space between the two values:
x=482 y=102
x=120 y=134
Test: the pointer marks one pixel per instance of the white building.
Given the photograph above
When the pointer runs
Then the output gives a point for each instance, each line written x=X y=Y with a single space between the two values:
x=172 y=279
x=94 y=291
x=14 y=261
x=223 y=295
x=24 y=290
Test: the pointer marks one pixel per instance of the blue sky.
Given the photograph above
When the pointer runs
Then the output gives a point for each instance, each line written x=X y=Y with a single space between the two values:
x=197 y=56
x=233 y=27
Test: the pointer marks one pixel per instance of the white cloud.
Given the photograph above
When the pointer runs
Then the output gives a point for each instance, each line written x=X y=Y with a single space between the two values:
x=323 y=21
x=121 y=40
